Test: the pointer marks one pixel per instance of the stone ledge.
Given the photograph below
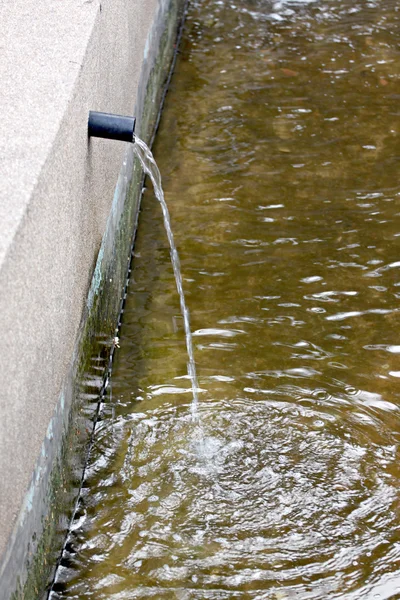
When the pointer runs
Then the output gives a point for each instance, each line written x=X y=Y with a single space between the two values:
x=68 y=223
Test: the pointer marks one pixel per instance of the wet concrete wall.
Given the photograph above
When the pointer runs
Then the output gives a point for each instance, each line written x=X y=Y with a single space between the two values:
x=68 y=209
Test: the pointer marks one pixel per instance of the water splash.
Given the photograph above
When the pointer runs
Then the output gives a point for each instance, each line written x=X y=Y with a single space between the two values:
x=151 y=169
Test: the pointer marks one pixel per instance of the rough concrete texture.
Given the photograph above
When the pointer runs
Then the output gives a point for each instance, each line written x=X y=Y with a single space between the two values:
x=58 y=60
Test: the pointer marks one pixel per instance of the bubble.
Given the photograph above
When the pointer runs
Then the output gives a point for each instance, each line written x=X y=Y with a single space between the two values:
x=321 y=394
x=351 y=391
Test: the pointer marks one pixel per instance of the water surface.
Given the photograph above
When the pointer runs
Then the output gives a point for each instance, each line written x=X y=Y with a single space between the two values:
x=279 y=150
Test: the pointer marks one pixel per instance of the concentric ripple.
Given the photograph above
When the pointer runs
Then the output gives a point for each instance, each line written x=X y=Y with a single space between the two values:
x=264 y=496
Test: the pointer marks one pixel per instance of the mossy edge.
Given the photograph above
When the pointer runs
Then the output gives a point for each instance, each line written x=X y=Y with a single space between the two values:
x=94 y=348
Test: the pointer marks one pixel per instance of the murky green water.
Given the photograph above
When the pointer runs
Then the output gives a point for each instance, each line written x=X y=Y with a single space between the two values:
x=280 y=150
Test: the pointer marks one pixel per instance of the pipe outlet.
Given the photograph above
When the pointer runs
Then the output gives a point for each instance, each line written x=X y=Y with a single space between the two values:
x=111 y=127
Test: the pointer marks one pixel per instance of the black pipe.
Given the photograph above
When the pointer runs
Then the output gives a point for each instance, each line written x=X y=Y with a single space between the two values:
x=112 y=127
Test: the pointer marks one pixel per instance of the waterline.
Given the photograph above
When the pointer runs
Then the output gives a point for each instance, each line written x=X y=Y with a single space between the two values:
x=151 y=169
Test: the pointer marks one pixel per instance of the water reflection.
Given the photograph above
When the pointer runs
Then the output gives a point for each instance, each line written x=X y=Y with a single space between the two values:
x=279 y=154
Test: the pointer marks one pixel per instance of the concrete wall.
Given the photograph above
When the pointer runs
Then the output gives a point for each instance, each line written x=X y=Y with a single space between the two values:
x=67 y=220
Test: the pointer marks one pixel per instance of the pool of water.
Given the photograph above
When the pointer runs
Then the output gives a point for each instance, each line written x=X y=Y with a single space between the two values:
x=280 y=153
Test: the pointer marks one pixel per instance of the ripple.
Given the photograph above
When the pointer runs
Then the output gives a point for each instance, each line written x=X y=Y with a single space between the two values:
x=289 y=488
x=359 y=313
x=218 y=332
x=241 y=502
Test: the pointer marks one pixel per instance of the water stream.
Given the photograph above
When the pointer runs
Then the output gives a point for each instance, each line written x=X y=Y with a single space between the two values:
x=149 y=166
x=279 y=151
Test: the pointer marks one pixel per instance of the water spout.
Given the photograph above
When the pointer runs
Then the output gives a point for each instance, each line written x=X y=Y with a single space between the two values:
x=150 y=167
x=117 y=127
